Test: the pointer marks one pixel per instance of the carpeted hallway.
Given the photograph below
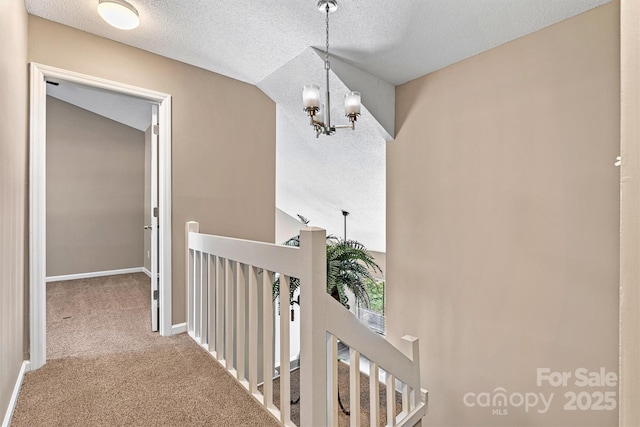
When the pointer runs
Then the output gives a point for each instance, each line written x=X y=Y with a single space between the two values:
x=106 y=368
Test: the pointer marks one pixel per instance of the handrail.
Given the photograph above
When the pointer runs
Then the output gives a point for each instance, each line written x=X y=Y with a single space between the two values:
x=225 y=278
x=355 y=334
x=280 y=258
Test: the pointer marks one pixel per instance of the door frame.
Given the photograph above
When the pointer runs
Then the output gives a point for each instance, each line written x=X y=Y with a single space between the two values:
x=37 y=196
x=629 y=350
x=152 y=219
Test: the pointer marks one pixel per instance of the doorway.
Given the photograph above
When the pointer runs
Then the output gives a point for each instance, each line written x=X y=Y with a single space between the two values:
x=161 y=271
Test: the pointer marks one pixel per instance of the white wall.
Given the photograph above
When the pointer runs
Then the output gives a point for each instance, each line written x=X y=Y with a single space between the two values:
x=287 y=226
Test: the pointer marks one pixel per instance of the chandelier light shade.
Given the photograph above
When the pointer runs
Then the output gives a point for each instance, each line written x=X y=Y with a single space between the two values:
x=311 y=96
x=352 y=104
x=119 y=14
x=319 y=115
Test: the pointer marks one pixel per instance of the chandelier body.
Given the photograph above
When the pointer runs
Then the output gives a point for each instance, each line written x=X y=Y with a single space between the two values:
x=319 y=115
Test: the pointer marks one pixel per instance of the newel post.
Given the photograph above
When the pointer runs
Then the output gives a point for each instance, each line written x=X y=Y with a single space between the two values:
x=409 y=345
x=190 y=227
x=314 y=393
x=410 y=348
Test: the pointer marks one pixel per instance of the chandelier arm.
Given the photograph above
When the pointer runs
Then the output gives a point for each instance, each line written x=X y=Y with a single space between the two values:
x=351 y=126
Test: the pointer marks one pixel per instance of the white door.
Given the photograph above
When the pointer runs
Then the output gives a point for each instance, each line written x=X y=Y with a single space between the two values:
x=155 y=277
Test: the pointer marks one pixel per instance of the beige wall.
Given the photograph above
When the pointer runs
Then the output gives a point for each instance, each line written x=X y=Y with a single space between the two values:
x=223 y=136
x=13 y=174
x=95 y=192
x=503 y=222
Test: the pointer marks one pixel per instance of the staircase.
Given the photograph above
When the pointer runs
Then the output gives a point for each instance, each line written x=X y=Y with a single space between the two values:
x=231 y=314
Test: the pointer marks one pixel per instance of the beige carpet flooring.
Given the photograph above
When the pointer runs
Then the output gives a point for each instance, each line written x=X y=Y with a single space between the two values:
x=343 y=389
x=105 y=367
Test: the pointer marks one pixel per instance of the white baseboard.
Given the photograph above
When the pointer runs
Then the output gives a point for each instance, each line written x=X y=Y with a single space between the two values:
x=179 y=328
x=14 y=396
x=147 y=272
x=95 y=274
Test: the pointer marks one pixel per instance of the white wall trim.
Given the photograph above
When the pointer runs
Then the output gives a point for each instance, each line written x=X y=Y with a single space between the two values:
x=629 y=351
x=14 y=396
x=37 y=194
x=179 y=328
x=94 y=274
x=37 y=218
x=164 y=203
x=147 y=272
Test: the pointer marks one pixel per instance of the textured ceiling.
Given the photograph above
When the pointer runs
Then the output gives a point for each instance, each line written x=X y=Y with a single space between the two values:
x=249 y=39
x=267 y=43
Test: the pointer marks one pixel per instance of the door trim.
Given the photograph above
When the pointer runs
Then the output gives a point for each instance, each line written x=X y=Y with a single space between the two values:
x=37 y=197
x=629 y=351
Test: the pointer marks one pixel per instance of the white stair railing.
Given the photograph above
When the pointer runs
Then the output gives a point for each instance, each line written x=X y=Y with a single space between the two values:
x=230 y=313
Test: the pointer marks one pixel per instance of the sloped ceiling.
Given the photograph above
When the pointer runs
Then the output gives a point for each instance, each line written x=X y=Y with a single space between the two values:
x=320 y=177
x=128 y=110
x=259 y=42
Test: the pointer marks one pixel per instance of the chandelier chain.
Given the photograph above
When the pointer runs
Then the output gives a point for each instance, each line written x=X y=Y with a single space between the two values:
x=327 y=50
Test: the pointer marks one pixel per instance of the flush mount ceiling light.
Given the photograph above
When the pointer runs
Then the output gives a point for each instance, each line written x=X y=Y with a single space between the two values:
x=119 y=14
x=311 y=93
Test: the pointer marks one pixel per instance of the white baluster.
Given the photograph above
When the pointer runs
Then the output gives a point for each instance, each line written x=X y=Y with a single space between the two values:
x=190 y=227
x=220 y=285
x=267 y=340
x=190 y=290
x=374 y=395
x=285 y=374
x=253 y=331
x=229 y=311
x=211 y=312
x=405 y=401
x=354 y=387
x=204 y=299
x=197 y=296
x=332 y=387
x=391 y=400
x=240 y=321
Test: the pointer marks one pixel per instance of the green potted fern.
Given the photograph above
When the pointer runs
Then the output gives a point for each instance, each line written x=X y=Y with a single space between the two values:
x=349 y=267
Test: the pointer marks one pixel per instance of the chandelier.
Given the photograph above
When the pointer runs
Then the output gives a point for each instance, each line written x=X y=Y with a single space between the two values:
x=320 y=116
